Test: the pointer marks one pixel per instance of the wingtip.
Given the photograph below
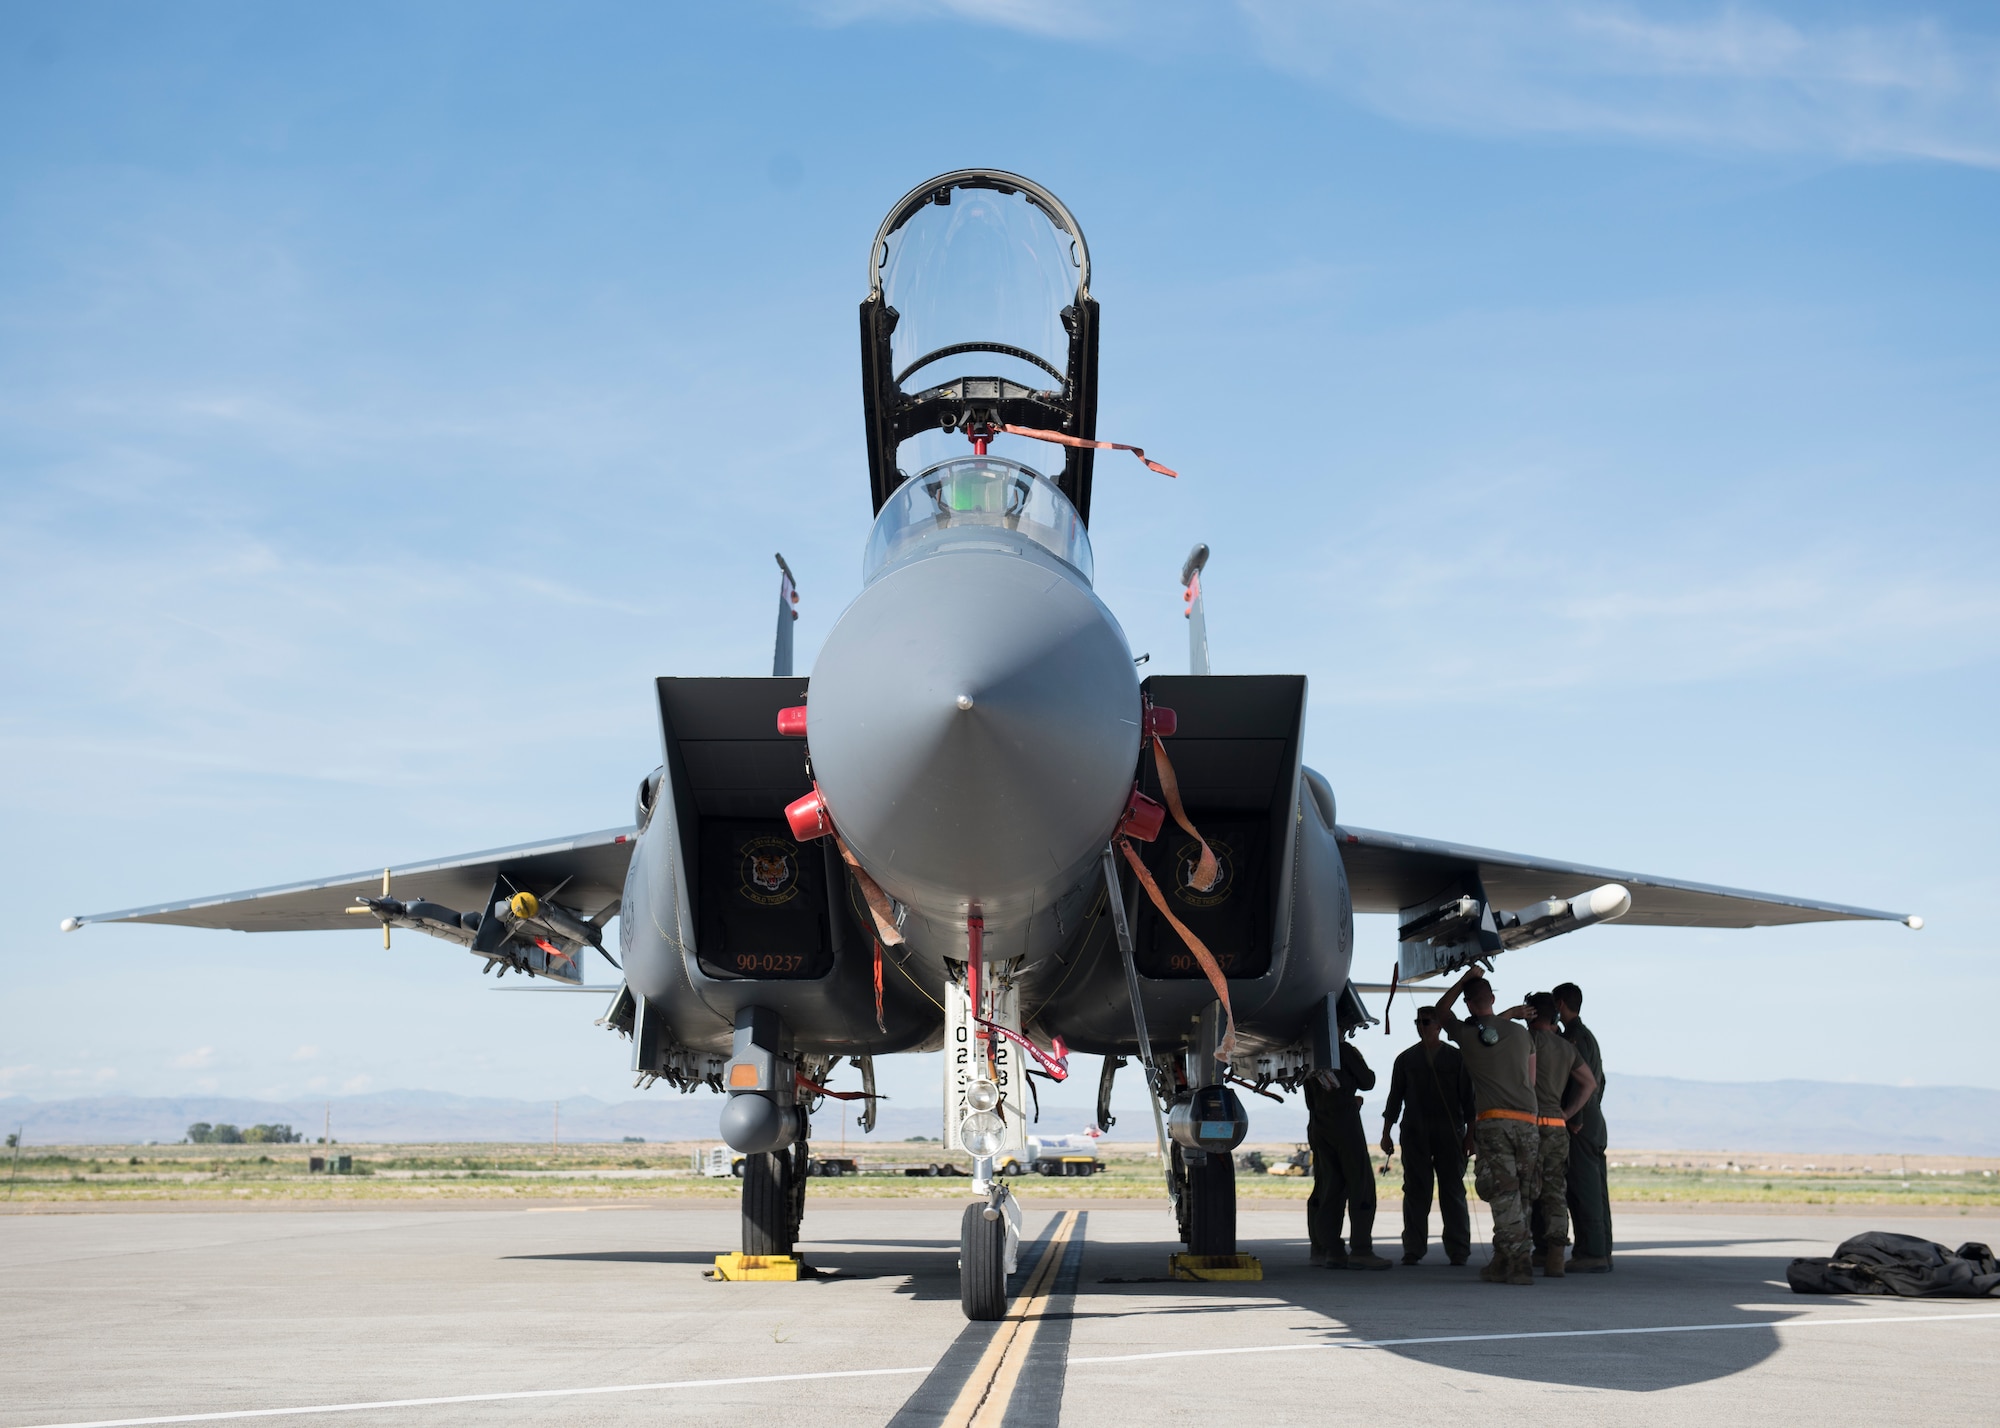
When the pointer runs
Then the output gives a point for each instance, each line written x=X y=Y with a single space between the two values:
x=70 y=924
x=1914 y=923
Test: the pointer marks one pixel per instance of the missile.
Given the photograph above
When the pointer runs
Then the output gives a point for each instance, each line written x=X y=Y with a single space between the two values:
x=526 y=907
x=1554 y=916
x=432 y=917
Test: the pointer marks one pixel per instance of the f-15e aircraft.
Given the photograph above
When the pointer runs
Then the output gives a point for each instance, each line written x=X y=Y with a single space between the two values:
x=955 y=834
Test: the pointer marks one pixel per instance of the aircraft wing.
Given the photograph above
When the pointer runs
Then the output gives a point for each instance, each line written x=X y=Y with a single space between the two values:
x=1389 y=872
x=590 y=867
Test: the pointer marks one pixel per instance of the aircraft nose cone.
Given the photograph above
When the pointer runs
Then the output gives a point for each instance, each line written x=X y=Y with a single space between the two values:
x=974 y=727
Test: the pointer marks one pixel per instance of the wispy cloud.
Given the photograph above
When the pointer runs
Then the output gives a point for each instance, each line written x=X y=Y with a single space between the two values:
x=1904 y=85
x=1728 y=75
x=193 y=1060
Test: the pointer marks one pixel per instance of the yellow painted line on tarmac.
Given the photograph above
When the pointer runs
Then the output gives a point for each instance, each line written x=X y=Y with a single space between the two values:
x=982 y=1403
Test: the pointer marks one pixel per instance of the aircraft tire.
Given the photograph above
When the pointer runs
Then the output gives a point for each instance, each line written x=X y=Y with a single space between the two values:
x=982 y=1264
x=1211 y=1206
x=768 y=1223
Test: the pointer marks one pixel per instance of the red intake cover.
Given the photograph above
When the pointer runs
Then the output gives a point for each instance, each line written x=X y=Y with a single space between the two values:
x=1142 y=819
x=809 y=821
x=792 y=722
x=1160 y=721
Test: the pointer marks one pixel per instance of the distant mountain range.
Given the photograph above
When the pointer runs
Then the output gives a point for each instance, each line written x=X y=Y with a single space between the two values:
x=1646 y=1112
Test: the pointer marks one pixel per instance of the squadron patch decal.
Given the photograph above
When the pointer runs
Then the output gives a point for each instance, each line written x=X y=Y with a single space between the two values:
x=769 y=871
x=1187 y=858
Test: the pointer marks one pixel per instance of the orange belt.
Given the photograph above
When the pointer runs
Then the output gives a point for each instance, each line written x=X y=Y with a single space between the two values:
x=1551 y=1121
x=1498 y=1115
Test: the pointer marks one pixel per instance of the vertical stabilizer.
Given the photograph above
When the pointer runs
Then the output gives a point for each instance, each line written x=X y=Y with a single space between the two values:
x=1197 y=614
x=788 y=615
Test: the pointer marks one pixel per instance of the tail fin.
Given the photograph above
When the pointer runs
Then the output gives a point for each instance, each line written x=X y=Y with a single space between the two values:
x=788 y=614
x=1197 y=613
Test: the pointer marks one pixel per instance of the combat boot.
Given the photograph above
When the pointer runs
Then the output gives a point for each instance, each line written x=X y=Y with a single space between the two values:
x=1519 y=1270
x=1494 y=1271
x=1552 y=1261
x=1366 y=1259
x=1589 y=1264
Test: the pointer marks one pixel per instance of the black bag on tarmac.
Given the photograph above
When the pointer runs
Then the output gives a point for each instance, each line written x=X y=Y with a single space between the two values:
x=1883 y=1263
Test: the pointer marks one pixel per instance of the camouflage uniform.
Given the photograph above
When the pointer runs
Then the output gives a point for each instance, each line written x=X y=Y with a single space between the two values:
x=1556 y=1063
x=1508 y=1178
x=1552 y=1203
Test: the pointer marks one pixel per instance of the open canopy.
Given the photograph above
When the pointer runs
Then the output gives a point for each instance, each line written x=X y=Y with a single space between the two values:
x=978 y=314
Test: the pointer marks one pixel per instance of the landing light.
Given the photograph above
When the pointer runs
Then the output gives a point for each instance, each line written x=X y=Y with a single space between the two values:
x=983 y=1096
x=981 y=1134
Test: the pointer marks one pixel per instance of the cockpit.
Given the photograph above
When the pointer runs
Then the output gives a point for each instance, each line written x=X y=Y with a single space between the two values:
x=991 y=266
x=959 y=504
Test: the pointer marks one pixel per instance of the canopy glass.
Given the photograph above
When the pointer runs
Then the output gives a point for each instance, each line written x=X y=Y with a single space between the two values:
x=985 y=271
x=954 y=502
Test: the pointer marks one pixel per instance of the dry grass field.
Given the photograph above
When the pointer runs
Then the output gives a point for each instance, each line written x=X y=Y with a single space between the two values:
x=54 y=1176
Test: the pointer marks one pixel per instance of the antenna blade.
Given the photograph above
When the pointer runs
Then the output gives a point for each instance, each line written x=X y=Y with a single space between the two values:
x=788 y=615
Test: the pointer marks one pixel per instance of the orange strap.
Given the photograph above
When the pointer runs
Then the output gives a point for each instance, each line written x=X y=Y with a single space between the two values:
x=871 y=892
x=1499 y=1115
x=806 y=1083
x=879 y=1025
x=1208 y=870
x=1551 y=1121
x=1210 y=968
x=1063 y=439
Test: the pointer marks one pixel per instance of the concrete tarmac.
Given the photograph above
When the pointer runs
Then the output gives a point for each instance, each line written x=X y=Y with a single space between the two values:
x=450 y=1315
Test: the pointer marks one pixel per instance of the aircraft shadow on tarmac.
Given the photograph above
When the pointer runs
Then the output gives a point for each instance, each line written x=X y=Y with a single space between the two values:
x=929 y=1266
x=1433 y=1301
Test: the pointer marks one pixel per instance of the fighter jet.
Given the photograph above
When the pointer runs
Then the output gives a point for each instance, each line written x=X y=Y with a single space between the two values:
x=975 y=827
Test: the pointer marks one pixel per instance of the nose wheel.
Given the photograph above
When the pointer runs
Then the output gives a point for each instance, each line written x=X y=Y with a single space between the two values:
x=982 y=1263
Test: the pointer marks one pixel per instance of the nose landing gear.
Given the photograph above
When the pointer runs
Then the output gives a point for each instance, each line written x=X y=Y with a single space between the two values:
x=989 y=1240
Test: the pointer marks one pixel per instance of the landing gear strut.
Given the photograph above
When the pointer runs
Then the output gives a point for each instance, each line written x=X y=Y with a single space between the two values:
x=774 y=1199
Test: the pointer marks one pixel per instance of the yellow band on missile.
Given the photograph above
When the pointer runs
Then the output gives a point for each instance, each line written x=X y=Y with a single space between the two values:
x=359 y=911
x=524 y=905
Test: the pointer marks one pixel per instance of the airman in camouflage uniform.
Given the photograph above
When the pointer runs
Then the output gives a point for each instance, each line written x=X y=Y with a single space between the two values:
x=1564 y=1085
x=1500 y=1057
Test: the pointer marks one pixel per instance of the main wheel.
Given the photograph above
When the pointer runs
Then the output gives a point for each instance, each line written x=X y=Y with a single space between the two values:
x=769 y=1226
x=982 y=1264
x=1211 y=1220
x=1177 y=1174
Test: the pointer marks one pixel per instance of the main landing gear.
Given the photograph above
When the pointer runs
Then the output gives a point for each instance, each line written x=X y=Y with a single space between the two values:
x=1206 y=1202
x=774 y=1199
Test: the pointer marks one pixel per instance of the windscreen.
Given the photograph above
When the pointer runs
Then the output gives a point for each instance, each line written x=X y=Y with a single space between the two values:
x=961 y=497
x=987 y=267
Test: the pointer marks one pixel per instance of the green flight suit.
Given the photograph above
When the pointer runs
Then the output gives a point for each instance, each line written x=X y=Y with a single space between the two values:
x=1589 y=1185
x=1343 y=1169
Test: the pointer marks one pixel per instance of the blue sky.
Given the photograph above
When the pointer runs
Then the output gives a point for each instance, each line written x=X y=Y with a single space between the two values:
x=1599 y=402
